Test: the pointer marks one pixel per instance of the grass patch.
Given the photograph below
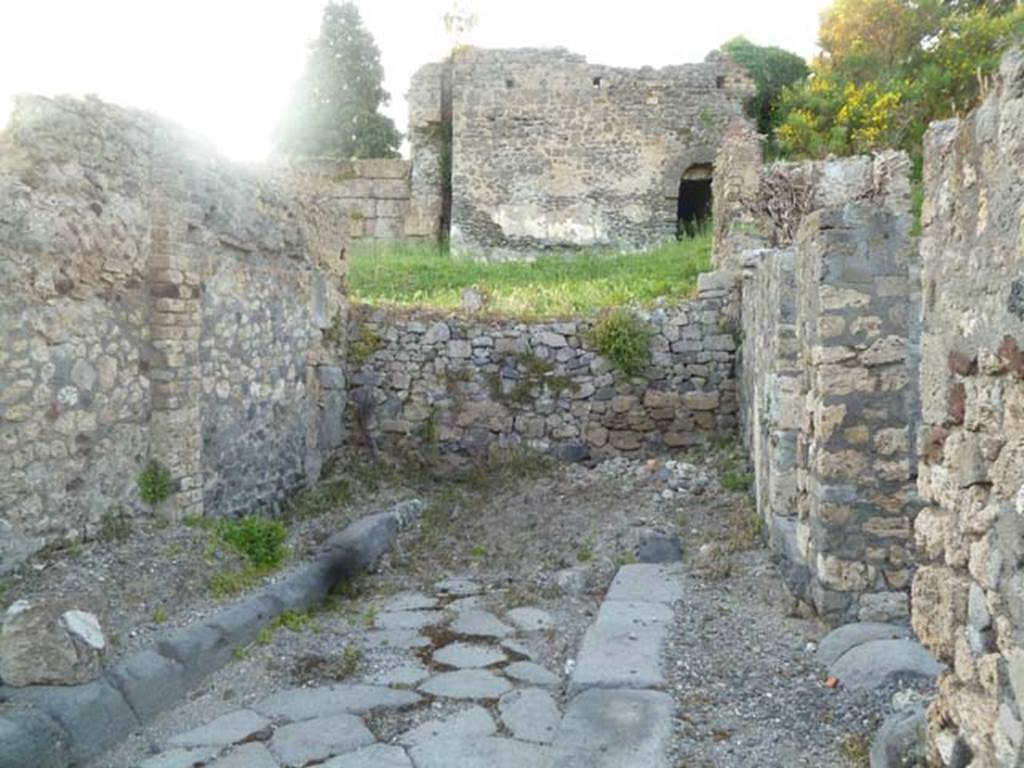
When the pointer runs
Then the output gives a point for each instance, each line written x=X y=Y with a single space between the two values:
x=154 y=483
x=624 y=340
x=552 y=285
x=258 y=541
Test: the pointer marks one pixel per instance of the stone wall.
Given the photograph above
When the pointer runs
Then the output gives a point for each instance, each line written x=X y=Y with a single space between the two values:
x=161 y=304
x=549 y=151
x=466 y=384
x=968 y=596
x=373 y=197
x=827 y=376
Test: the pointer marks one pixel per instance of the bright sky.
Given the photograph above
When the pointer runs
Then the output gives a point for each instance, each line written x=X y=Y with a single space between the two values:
x=225 y=68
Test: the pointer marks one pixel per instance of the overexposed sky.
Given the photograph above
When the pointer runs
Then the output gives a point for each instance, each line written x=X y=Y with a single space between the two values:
x=225 y=68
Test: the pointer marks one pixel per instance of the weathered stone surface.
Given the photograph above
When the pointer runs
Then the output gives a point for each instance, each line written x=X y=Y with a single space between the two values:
x=373 y=756
x=467 y=655
x=534 y=674
x=247 y=756
x=870 y=664
x=627 y=729
x=149 y=682
x=458 y=587
x=306 y=703
x=298 y=744
x=472 y=722
x=647 y=583
x=481 y=752
x=181 y=758
x=840 y=640
x=408 y=601
x=530 y=715
x=901 y=742
x=408 y=619
x=530 y=619
x=658 y=547
x=466 y=684
x=480 y=624
x=402 y=639
x=405 y=673
x=232 y=728
x=49 y=644
x=31 y=738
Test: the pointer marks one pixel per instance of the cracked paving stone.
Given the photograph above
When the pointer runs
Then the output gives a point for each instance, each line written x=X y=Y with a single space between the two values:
x=475 y=721
x=467 y=684
x=468 y=655
x=230 y=729
x=306 y=703
x=534 y=674
x=373 y=756
x=251 y=755
x=628 y=729
x=299 y=744
x=531 y=715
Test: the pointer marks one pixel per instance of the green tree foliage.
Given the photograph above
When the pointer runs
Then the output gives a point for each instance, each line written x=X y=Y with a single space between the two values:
x=335 y=109
x=890 y=67
x=772 y=69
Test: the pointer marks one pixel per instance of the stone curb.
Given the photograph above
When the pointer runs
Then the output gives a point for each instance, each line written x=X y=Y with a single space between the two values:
x=63 y=726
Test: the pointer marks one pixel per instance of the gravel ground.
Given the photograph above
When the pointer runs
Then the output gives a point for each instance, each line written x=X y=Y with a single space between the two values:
x=531 y=533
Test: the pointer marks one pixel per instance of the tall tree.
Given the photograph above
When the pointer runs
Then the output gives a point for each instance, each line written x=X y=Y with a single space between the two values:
x=335 y=109
x=772 y=69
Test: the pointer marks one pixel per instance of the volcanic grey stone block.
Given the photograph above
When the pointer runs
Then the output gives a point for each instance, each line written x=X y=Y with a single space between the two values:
x=94 y=716
x=475 y=721
x=647 y=582
x=625 y=729
x=531 y=715
x=241 y=623
x=622 y=648
x=200 y=649
x=658 y=547
x=535 y=674
x=466 y=684
x=901 y=742
x=870 y=664
x=307 y=703
x=232 y=728
x=29 y=737
x=298 y=744
x=840 y=640
x=468 y=655
x=373 y=756
x=480 y=624
x=247 y=756
x=150 y=682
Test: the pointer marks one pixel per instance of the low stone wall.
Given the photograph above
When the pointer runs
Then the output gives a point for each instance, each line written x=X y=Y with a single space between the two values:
x=372 y=197
x=466 y=384
x=968 y=596
x=159 y=303
x=827 y=378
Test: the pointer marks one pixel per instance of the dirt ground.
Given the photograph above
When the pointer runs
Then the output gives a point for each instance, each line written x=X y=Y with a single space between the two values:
x=532 y=532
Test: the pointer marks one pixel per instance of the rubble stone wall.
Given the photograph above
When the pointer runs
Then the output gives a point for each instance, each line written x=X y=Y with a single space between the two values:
x=549 y=151
x=466 y=384
x=827 y=376
x=161 y=304
x=968 y=597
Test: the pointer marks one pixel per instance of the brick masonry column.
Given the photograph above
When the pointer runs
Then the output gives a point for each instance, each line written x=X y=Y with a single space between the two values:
x=857 y=496
x=175 y=434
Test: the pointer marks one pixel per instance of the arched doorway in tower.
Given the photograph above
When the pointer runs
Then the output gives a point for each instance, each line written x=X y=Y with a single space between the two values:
x=693 y=212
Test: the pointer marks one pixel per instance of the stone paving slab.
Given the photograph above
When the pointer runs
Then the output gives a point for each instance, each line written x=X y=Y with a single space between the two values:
x=181 y=758
x=842 y=639
x=458 y=586
x=408 y=601
x=299 y=744
x=870 y=664
x=534 y=674
x=530 y=619
x=468 y=655
x=374 y=756
x=480 y=624
x=475 y=721
x=530 y=715
x=408 y=619
x=619 y=728
x=467 y=684
x=406 y=673
x=647 y=582
x=482 y=752
x=247 y=756
x=622 y=648
x=399 y=639
x=232 y=728
x=306 y=703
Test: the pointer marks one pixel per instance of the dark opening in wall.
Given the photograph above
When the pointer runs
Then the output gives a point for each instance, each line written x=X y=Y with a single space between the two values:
x=693 y=211
x=509 y=82
x=597 y=82
x=720 y=82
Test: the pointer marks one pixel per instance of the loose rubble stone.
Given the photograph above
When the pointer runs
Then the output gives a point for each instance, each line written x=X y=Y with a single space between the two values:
x=299 y=744
x=531 y=715
x=49 y=644
x=466 y=684
x=465 y=655
x=530 y=619
x=306 y=703
x=475 y=721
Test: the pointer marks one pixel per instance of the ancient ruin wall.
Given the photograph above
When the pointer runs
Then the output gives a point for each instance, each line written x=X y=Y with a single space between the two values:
x=160 y=304
x=372 y=197
x=968 y=597
x=465 y=384
x=827 y=377
x=549 y=151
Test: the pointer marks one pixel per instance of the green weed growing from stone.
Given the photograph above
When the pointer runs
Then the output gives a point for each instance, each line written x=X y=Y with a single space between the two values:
x=154 y=483
x=624 y=340
x=160 y=616
x=259 y=540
